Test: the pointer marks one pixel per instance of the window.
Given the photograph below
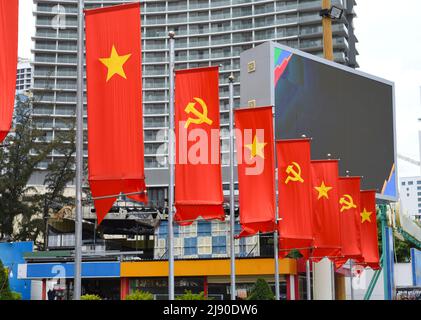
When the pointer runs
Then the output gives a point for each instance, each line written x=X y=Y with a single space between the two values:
x=219 y=245
x=190 y=246
x=204 y=228
x=410 y=183
x=403 y=183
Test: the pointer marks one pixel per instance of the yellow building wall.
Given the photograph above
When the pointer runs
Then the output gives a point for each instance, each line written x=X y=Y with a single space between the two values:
x=218 y=267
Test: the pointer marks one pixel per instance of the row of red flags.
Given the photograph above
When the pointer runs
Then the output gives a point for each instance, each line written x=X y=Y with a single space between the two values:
x=320 y=213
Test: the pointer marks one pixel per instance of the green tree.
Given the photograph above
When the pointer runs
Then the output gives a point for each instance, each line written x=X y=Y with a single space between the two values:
x=5 y=293
x=23 y=209
x=261 y=291
x=25 y=149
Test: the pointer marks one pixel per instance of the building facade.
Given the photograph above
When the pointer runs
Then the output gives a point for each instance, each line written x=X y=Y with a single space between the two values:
x=23 y=76
x=207 y=33
x=410 y=196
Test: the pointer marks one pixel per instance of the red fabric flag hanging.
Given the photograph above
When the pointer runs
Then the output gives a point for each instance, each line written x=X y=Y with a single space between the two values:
x=326 y=222
x=294 y=189
x=350 y=219
x=198 y=175
x=8 y=62
x=256 y=169
x=115 y=119
x=369 y=242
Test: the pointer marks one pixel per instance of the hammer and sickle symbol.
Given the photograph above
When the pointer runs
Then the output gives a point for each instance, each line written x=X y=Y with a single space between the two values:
x=347 y=202
x=294 y=173
x=201 y=117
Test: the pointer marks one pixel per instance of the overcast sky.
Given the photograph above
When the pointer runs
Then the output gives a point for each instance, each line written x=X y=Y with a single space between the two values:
x=389 y=47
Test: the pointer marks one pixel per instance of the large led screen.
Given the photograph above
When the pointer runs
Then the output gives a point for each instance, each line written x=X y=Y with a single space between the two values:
x=348 y=114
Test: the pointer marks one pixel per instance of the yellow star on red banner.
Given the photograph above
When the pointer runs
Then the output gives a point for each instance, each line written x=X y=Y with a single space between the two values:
x=323 y=191
x=256 y=148
x=115 y=63
x=365 y=216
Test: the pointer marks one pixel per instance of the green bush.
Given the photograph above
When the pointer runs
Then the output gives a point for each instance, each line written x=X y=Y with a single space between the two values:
x=140 y=295
x=16 y=296
x=90 y=297
x=261 y=291
x=188 y=295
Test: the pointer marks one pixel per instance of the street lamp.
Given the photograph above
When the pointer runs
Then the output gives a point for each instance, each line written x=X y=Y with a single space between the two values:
x=334 y=13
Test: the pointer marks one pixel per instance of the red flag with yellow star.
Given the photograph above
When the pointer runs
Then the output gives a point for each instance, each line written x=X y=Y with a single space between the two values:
x=8 y=61
x=115 y=119
x=256 y=169
x=294 y=192
x=350 y=219
x=325 y=195
x=369 y=242
x=198 y=174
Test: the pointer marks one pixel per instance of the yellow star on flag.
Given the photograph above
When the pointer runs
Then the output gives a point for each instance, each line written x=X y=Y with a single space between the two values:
x=365 y=216
x=115 y=63
x=323 y=191
x=256 y=148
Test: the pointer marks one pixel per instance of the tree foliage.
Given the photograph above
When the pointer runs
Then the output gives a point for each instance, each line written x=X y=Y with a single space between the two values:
x=261 y=291
x=5 y=293
x=22 y=208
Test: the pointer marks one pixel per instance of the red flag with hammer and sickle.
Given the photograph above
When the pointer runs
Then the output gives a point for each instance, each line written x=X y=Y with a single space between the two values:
x=114 y=85
x=198 y=175
x=350 y=218
x=369 y=242
x=256 y=169
x=326 y=222
x=8 y=62
x=294 y=189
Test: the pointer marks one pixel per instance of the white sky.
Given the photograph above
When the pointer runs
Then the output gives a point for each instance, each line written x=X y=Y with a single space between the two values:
x=389 y=47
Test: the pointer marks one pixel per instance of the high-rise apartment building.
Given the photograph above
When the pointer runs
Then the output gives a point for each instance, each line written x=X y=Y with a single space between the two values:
x=207 y=33
x=24 y=75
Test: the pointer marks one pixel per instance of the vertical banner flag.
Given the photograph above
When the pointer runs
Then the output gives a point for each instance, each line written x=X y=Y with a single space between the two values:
x=369 y=242
x=294 y=189
x=256 y=169
x=326 y=222
x=350 y=218
x=198 y=176
x=115 y=119
x=8 y=62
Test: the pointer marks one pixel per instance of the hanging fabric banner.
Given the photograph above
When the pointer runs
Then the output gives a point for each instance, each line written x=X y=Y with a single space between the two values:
x=326 y=222
x=115 y=116
x=256 y=169
x=350 y=219
x=369 y=241
x=294 y=189
x=198 y=175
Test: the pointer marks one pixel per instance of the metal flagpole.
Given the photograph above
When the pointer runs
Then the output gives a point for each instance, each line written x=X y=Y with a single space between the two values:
x=351 y=264
x=276 y=254
x=308 y=278
x=333 y=280
x=275 y=242
x=171 y=162
x=77 y=290
x=232 y=199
